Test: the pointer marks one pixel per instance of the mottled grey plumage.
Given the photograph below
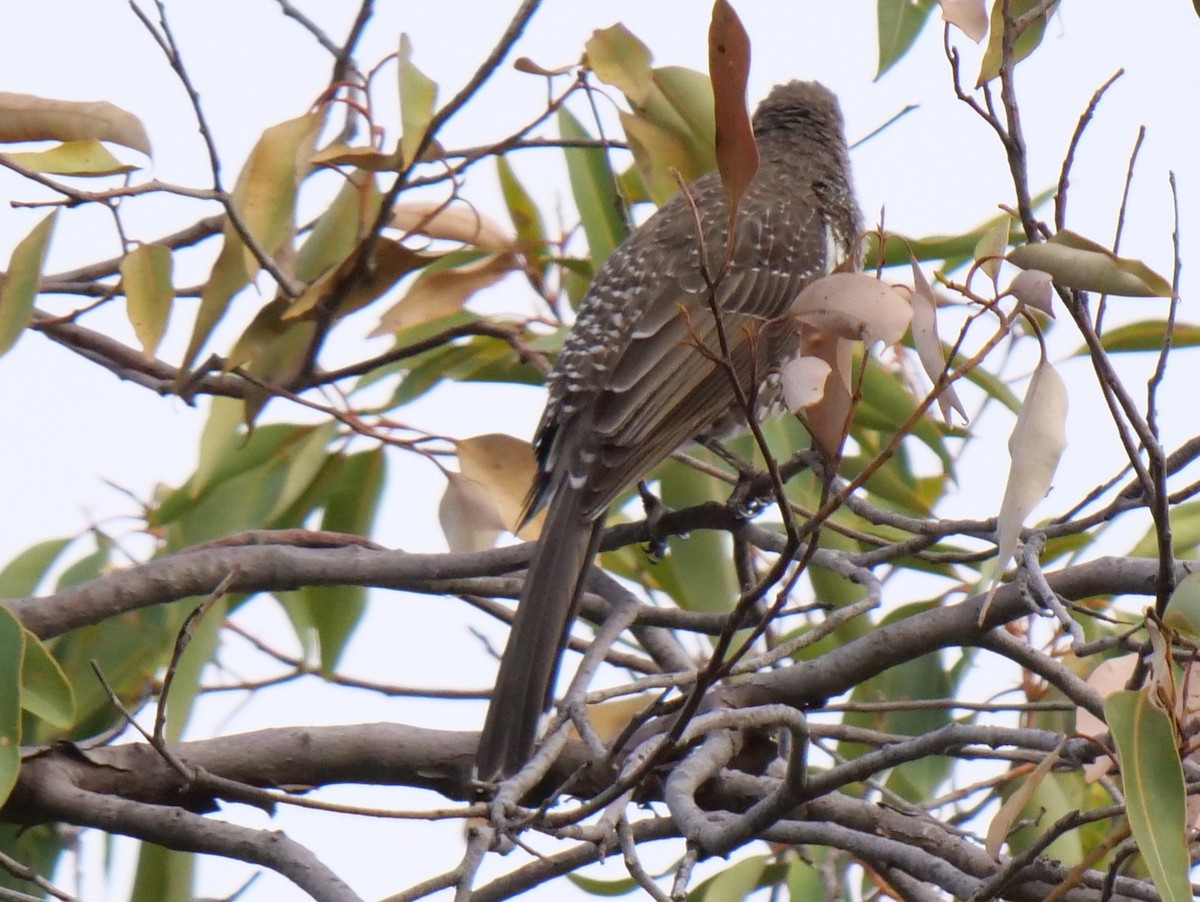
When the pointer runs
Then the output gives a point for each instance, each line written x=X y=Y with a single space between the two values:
x=630 y=386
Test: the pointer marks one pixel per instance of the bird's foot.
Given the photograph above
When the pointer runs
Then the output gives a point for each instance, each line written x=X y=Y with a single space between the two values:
x=656 y=546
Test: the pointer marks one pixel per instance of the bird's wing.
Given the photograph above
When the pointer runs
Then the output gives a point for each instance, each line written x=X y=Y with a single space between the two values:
x=664 y=390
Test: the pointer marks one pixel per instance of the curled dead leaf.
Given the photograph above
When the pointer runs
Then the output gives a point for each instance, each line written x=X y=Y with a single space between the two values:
x=24 y=117
x=802 y=380
x=928 y=344
x=1034 y=288
x=828 y=418
x=854 y=306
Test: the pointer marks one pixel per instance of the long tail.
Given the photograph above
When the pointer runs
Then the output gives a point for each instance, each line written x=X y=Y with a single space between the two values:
x=525 y=683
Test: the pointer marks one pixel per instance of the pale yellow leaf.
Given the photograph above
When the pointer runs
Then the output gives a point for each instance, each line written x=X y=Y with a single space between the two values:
x=990 y=248
x=504 y=466
x=24 y=117
x=1035 y=446
x=418 y=94
x=85 y=158
x=1111 y=675
x=968 y=16
x=468 y=515
x=619 y=58
x=21 y=279
x=1006 y=817
x=265 y=192
x=146 y=281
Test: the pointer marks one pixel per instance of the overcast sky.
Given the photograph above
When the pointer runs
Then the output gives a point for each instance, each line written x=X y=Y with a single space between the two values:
x=71 y=429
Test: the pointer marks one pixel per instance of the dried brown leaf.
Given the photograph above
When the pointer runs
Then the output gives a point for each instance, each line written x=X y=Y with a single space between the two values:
x=441 y=293
x=451 y=222
x=729 y=69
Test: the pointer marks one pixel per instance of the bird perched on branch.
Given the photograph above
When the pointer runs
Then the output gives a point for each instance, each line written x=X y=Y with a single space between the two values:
x=642 y=370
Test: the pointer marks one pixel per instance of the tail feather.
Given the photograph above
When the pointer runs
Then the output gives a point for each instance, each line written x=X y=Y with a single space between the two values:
x=525 y=682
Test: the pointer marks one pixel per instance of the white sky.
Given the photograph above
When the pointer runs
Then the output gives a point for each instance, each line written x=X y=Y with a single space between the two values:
x=70 y=428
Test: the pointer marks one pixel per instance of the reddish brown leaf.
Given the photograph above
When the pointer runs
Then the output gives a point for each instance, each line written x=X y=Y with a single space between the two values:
x=729 y=67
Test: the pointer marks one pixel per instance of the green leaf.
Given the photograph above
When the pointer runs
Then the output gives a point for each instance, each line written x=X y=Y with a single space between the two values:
x=227 y=277
x=83 y=158
x=900 y=21
x=1183 y=610
x=608 y=888
x=219 y=440
x=1026 y=42
x=265 y=198
x=1155 y=796
x=955 y=250
x=163 y=875
x=1078 y=262
x=1185 y=532
x=149 y=293
x=20 y=285
x=24 y=573
x=37 y=848
x=339 y=229
x=417 y=96
x=522 y=210
x=1147 y=335
x=593 y=187
x=739 y=880
x=804 y=881
x=306 y=460
x=45 y=690
x=334 y=611
x=619 y=58
x=12 y=653
x=701 y=561
x=241 y=454
x=922 y=678
x=526 y=220
x=88 y=567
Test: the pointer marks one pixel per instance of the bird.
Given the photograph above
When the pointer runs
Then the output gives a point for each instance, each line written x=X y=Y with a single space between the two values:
x=639 y=373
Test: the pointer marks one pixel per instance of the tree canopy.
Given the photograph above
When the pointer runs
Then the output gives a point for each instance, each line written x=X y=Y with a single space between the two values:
x=812 y=660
